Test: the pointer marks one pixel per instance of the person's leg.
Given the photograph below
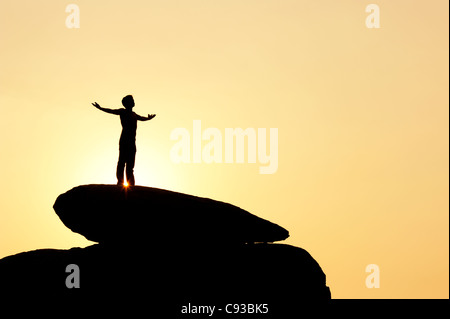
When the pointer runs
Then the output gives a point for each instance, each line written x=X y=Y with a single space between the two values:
x=120 y=168
x=131 y=156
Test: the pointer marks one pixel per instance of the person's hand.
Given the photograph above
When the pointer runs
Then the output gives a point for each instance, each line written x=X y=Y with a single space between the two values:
x=151 y=116
x=96 y=105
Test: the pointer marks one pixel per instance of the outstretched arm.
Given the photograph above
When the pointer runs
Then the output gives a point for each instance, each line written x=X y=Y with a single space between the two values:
x=110 y=111
x=149 y=117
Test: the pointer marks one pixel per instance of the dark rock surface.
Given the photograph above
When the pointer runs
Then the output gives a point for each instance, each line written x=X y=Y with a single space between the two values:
x=110 y=213
x=160 y=251
x=282 y=276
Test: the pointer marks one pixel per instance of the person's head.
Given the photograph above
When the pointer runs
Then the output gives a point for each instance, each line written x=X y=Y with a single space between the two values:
x=128 y=102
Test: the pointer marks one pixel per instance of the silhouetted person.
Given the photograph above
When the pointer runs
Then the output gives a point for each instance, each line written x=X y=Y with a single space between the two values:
x=127 y=143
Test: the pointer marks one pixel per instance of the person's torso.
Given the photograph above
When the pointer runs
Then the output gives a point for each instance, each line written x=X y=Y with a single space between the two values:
x=128 y=120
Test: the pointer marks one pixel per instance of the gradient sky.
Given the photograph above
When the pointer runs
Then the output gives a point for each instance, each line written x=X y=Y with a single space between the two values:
x=362 y=116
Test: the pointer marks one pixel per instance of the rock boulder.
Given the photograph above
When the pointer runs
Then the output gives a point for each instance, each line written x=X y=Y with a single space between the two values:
x=110 y=213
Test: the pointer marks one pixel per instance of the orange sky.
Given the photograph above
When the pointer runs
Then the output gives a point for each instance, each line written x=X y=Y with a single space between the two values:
x=362 y=118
